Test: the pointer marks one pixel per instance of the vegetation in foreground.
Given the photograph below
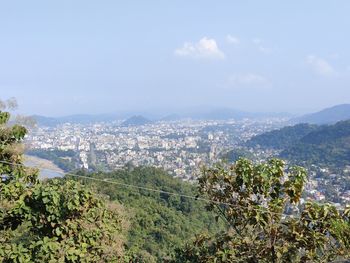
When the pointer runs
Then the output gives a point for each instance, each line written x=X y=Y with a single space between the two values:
x=62 y=221
x=52 y=221
x=160 y=222
x=266 y=221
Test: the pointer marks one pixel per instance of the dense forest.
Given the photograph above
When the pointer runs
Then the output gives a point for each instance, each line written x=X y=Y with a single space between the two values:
x=160 y=222
x=328 y=145
x=307 y=144
x=281 y=138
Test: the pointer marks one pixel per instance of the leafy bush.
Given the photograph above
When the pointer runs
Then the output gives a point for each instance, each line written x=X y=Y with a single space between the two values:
x=253 y=199
x=53 y=221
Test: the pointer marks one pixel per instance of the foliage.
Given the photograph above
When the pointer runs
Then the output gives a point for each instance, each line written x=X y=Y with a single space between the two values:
x=62 y=222
x=160 y=222
x=13 y=177
x=53 y=221
x=253 y=200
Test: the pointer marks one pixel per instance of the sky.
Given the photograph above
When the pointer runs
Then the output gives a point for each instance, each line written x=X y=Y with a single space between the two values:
x=82 y=56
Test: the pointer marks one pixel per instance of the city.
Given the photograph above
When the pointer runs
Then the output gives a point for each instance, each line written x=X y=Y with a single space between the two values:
x=179 y=147
x=175 y=131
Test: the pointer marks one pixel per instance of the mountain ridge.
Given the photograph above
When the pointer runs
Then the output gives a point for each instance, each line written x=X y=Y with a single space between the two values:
x=329 y=115
x=305 y=144
x=194 y=114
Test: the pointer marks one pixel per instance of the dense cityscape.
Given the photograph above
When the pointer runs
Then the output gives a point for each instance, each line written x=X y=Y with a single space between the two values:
x=180 y=147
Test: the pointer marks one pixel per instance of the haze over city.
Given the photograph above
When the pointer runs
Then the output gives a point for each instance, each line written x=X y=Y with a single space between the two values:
x=89 y=57
x=174 y=131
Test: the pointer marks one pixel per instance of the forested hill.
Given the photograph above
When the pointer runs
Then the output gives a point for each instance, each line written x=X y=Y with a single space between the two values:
x=328 y=134
x=136 y=121
x=281 y=138
x=160 y=221
x=329 y=145
x=305 y=144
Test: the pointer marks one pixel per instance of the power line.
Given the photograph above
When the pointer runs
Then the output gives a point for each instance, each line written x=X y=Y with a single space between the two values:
x=107 y=180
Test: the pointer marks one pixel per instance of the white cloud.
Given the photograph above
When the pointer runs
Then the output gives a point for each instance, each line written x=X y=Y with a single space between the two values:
x=247 y=80
x=232 y=40
x=320 y=66
x=204 y=48
x=259 y=43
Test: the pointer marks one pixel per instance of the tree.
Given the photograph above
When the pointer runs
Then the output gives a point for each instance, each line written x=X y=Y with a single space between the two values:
x=55 y=220
x=13 y=177
x=160 y=222
x=253 y=201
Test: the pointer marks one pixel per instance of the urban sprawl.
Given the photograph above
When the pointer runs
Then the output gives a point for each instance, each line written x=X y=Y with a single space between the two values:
x=179 y=147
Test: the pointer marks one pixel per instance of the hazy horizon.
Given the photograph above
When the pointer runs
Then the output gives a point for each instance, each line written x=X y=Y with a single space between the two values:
x=61 y=57
x=167 y=111
x=191 y=112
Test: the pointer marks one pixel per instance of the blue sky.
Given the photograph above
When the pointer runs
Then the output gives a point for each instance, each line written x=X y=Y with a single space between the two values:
x=65 y=57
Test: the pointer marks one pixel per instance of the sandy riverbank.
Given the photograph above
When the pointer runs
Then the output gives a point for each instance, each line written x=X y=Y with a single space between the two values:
x=47 y=168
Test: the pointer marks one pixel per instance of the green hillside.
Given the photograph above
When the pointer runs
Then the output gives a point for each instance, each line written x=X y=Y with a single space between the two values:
x=136 y=121
x=329 y=145
x=306 y=144
x=160 y=222
x=281 y=138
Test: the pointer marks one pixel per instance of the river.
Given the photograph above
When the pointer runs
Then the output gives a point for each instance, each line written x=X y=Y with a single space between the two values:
x=47 y=169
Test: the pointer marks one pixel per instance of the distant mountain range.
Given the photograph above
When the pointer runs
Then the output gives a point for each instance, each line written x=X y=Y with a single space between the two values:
x=228 y=113
x=202 y=114
x=326 y=116
x=136 y=121
x=78 y=118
